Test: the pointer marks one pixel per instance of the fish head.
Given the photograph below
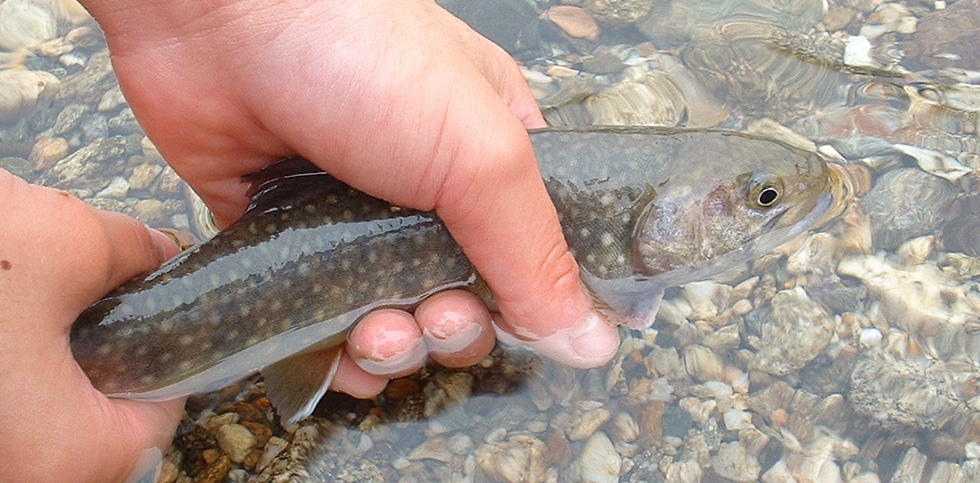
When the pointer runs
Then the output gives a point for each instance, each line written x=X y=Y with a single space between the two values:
x=728 y=204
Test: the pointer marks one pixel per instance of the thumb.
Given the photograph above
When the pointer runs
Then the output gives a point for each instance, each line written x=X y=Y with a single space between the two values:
x=506 y=224
x=57 y=255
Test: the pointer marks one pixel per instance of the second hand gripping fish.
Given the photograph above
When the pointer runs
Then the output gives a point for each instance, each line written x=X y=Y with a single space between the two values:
x=643 y=209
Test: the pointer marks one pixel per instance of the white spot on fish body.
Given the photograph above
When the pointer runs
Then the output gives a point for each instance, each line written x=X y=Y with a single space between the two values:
x=606 y=239
x=303 y=269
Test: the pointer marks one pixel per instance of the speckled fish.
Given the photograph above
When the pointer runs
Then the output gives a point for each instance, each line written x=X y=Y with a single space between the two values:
x=643 y=209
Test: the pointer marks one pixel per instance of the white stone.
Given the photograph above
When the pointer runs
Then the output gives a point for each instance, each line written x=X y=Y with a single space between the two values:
x=235 y=440
x=599 y=462
x=870 y=337
x=24 y=23
x=20 y=90
x=734 y=463
x=118 y=189
x=736 y=419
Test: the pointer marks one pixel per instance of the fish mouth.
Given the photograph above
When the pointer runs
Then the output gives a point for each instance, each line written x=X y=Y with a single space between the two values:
x=817 y=216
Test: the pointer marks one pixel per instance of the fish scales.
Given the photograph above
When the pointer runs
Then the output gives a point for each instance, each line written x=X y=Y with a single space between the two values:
x=312 y=255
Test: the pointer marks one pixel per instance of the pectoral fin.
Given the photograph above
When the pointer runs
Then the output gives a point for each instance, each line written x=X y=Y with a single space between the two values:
x=631 y=301
x=295 y=385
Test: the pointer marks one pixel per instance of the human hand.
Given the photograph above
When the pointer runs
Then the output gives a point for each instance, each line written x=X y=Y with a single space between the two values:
x=57 y=256
x=396 y=98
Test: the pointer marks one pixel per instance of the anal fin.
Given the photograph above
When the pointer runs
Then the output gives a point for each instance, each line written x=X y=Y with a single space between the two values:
x=295 y=385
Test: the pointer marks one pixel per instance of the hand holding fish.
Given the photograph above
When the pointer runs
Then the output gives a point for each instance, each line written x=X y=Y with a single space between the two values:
x=396 y=98
x=59 y=255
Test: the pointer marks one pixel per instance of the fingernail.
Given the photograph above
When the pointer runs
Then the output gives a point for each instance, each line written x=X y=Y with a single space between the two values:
x=596 y=340
x=398 y=365
x=589 y=343
x=164 y=246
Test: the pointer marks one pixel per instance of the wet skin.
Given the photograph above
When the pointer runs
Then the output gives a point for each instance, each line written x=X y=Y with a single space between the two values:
x=642 y=209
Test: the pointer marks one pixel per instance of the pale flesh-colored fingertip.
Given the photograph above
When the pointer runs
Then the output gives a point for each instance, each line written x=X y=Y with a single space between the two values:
x=591 y=342
x=456 y=328
x=351 y=379
x=387 y=342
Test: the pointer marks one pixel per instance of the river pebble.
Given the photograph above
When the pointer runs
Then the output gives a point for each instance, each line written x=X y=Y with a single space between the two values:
x=47 y=151
x=235 y=440
x=598 y=462
x=20 y=91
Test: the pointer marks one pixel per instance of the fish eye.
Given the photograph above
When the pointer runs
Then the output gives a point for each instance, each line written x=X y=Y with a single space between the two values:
x=768 y=196
x=764 y=190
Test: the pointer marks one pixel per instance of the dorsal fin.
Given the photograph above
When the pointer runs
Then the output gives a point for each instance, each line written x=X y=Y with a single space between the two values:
x=287 y=183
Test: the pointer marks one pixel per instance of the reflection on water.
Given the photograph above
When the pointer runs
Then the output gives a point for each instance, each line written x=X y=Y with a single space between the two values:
x=850 y=354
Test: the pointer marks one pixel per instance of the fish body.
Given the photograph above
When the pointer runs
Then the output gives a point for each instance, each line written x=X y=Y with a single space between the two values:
x=642 y=209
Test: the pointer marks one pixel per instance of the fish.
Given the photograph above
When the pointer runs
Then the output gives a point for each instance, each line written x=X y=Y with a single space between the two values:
x=643 y=209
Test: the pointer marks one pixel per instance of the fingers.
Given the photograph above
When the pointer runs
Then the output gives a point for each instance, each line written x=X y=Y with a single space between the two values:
x=422 y=112
x=387 y=342
x=456 y=328
x=452 y=327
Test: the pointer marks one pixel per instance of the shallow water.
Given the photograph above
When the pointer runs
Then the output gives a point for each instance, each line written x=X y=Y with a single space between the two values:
x=852 y=354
